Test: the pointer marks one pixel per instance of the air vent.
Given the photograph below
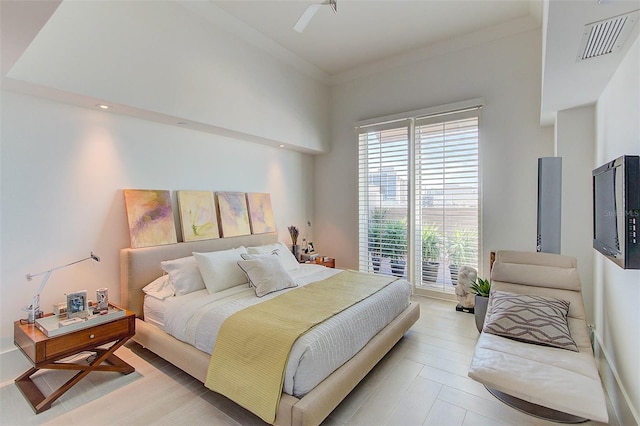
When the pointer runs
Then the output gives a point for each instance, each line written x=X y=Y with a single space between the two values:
x=604 y=37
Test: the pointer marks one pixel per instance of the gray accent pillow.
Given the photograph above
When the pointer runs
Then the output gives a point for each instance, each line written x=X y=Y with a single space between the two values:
x=266 y=274
x=532 y=319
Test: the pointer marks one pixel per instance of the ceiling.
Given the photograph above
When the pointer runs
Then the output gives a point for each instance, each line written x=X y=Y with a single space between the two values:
x=366 y=36
x=362 y=32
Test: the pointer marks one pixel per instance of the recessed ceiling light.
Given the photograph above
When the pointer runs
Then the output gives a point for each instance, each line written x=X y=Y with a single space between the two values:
x=281 y=146
x=103 y=106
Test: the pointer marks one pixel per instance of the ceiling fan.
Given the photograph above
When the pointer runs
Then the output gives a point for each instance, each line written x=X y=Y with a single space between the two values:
x=311 y=10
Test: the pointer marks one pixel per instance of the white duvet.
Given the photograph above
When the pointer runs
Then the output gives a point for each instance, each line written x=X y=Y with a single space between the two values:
x=197 y=317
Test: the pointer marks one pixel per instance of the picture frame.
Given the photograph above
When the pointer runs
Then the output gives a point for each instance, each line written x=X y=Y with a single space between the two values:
x=233 y=214
x=150 y=217
x=198 y=216
x=77 y=304
x=260 y=213
x=310 y=247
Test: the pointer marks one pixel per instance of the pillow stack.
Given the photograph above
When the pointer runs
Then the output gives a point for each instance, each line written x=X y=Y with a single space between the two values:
x=264 y=267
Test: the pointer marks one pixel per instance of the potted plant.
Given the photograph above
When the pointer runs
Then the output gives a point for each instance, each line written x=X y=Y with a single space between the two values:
x=431 y=243
x=481 y=288
x=375 y=237
x=461 y=246
x=394 y=245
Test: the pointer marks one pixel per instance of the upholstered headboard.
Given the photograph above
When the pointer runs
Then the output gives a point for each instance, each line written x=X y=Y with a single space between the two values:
x=140 y=266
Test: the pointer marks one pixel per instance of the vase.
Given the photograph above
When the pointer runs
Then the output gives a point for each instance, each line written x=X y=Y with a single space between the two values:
x=480 y=311
x=295 y=249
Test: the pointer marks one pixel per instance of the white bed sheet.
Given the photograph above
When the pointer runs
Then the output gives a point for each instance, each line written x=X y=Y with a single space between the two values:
x=197 y=317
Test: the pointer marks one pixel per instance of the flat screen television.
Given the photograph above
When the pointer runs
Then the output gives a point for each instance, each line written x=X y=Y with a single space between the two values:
x=616 y=211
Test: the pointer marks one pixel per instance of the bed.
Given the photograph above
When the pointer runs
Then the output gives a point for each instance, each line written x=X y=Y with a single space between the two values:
x=141 y=266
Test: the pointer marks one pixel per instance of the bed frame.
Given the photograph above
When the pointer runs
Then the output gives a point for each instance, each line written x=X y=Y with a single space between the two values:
x=138 y=267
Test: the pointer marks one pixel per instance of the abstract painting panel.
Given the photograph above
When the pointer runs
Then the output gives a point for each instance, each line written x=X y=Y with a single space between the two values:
x=150 y=217
x=233 y=214
x=197 y=215
x=260 y=213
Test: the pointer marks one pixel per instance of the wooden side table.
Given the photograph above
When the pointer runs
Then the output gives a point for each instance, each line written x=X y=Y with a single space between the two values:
x=49 y=352
x=331 y=263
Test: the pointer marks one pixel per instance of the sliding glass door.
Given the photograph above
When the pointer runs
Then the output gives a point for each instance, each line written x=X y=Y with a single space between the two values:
x=419 y=197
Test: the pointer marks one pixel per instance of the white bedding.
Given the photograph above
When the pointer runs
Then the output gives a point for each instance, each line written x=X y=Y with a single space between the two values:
x=196 y=318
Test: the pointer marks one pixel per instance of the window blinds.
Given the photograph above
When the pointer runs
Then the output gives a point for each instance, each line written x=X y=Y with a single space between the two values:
x=383 y=188
x=436 y=157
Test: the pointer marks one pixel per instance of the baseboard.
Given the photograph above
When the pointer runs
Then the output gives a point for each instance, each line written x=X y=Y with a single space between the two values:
x=625 y=412
x=435 y=294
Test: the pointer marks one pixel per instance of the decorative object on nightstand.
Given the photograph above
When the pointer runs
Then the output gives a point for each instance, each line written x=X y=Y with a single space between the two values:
x=329 y=262
x=305 y=237
x=77 y=304
x=309 y=257
x=102 y=298
x=310 y=247
x=295 y=248
x=34 y=309
x=50 y=353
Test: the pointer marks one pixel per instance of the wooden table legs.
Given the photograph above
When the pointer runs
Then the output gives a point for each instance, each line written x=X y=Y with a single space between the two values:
x=41 y=403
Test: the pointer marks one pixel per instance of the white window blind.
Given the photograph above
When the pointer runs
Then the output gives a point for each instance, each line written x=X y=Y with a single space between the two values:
x=436 y=158
x=447 y=196
x=383 y=203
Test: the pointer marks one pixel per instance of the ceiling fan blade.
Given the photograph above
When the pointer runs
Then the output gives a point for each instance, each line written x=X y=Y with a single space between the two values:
x=306 y=17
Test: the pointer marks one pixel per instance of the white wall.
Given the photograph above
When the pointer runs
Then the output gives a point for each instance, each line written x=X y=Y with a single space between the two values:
x=63 y=170
x=617 y=291
x=506 y=73
x=163 y=58
x=575 y=139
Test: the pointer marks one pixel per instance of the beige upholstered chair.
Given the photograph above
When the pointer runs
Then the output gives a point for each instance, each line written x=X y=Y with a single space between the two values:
x=534 y=377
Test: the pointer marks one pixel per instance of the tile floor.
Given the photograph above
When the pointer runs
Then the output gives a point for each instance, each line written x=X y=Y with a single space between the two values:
x=422 y=381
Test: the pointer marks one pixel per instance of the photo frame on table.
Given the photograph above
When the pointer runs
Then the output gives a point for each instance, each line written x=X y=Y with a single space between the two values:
x=310 y=247
x=77 y=304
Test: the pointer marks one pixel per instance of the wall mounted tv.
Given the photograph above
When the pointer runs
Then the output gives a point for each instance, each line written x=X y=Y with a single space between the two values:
x=616 y=211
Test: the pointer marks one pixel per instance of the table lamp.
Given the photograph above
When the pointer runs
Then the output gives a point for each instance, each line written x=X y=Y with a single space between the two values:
x=34 y=309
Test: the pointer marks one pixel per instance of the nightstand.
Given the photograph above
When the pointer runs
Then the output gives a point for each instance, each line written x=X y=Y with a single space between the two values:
x=330 y=263
x=49 y=353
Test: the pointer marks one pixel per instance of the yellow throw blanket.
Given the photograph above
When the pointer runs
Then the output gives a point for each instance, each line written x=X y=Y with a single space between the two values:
x=253 y=345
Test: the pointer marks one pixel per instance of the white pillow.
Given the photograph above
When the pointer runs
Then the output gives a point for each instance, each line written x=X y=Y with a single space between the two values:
x=184 y=275
x=160 y=288
x=283 y=252
x=266 y=274
x=220 y=269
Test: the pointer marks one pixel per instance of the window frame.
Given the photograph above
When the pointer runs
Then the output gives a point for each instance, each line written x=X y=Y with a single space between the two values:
x=411 y=120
